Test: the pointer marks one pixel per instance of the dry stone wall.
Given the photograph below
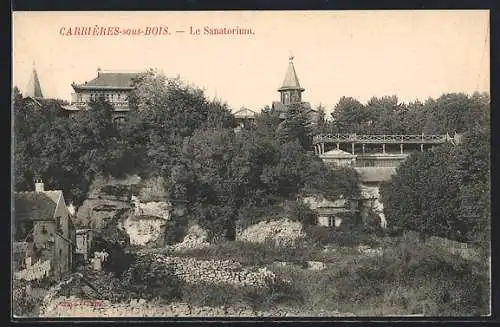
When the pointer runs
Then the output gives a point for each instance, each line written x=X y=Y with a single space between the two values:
x=229 y=272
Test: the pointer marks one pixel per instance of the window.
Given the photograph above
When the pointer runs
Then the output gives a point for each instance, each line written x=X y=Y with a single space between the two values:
x=331 y=221
x=44 y=230
x=119 y=121
x=59 y=225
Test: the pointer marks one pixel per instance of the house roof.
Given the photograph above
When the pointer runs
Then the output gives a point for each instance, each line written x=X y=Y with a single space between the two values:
x=291 y=81
x=109 y=81
x=245 y=113
x=34 y=89
x=375 y=174
x=34 y=206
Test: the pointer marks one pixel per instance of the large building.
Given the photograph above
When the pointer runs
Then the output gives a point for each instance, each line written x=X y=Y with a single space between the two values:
x=112 y=86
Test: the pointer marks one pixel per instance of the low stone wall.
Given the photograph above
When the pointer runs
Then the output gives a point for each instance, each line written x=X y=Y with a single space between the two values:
x=230 y=272
x=74 y=307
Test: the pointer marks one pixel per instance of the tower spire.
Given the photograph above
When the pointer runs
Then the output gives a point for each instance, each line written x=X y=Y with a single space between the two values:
x=34 y=89
x=290 y=90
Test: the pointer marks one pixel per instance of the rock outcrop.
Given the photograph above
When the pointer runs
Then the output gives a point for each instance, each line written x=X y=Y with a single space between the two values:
x=196 y=237
x=281 y=232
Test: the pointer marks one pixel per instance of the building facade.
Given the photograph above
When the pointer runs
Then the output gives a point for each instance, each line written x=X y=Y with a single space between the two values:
x=42 y=220
x=113 y=87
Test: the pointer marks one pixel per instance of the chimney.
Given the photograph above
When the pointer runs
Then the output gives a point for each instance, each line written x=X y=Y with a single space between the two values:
x=39 y=185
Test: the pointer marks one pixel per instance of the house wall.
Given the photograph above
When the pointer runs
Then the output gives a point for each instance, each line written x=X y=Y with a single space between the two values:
x=340 y=162
x=86 y=96
x=63 y=248
x=41 y=236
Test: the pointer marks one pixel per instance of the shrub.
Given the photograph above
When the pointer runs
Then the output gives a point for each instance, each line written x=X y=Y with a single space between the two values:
x=276 y=292
x=251 y=254
x=300 y=211
x=412 y=277
x=147 y=278
x=344 y=236
x=116 y=190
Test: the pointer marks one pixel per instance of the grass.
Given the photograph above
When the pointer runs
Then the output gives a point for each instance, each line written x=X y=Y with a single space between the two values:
x=251 y=254
x=410 y=278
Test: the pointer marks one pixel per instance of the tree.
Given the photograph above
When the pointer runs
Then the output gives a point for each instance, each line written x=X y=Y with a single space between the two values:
x=349 y=115
x=296 y=126
x=444 y=192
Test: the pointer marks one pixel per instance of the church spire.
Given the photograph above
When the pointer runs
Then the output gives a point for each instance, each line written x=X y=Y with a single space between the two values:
x=291 y=91
x=34 y=89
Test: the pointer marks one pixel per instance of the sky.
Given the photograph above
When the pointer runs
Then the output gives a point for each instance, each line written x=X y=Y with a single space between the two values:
x=412 y=54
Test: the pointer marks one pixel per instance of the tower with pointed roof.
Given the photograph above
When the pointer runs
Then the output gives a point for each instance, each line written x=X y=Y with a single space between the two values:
x=34 y=90
x=291 y=94
x=290 y=90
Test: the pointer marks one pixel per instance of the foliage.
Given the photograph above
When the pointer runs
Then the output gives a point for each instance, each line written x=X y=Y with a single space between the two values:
x=296 y=126
x=340 y=237
x=450 y=113
x=301 y=212
x=148 y=279
x=444 y=192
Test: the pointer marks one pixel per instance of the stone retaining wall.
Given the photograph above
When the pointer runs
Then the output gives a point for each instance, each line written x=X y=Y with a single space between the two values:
x=230 y=272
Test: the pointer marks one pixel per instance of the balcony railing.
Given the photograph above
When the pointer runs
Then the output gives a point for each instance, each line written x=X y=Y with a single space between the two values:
x=375 y=138
x=113 y=103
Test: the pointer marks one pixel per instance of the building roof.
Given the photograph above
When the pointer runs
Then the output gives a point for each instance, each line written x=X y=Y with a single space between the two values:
x=106 y=80
x=34 y=89
x=291 y=81
x=375 y=174
x=245 y=113
x=34 y=206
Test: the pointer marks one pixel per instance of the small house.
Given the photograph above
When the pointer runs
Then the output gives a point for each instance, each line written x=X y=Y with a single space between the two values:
x=42 y=220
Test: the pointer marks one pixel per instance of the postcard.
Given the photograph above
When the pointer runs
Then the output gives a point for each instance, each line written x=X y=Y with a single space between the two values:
x=251 y=164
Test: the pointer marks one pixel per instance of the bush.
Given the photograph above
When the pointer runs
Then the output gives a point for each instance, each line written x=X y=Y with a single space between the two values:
x=251 y=254
x=300 y=211
x=276 y=292
x=412 y=278
x=147 y=278
x=116 y=190
x=342 y=237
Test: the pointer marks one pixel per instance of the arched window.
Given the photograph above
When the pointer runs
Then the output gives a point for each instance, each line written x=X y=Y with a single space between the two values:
x=119 y=120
